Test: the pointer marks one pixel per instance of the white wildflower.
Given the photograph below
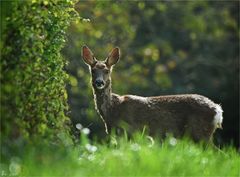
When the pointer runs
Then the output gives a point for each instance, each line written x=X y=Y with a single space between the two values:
x=135 y=147
x=79 y=126
x=173 y=141
x=91 y=148
x=85 y=131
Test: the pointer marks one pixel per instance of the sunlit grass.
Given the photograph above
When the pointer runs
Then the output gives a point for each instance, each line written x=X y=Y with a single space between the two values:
x=122 y=157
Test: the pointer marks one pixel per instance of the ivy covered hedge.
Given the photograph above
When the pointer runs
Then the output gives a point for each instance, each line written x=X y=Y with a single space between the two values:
x=33 y=95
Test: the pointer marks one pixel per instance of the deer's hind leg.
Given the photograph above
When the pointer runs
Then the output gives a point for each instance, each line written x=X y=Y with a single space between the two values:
x=201 y=128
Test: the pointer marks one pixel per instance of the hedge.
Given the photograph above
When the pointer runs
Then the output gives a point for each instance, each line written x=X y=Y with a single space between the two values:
x=33 y=95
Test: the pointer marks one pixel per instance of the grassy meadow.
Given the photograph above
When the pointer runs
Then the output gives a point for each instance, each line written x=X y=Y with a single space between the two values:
x=141 y=156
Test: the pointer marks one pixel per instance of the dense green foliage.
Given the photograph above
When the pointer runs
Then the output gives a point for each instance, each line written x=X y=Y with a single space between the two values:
x=33 y=95
x=166 y=47
x=123 y=158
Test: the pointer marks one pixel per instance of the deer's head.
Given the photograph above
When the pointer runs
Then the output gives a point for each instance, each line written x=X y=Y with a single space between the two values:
x=100 y=70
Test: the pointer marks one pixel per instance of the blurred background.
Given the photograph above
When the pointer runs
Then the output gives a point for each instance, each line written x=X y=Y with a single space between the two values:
x=166 y=48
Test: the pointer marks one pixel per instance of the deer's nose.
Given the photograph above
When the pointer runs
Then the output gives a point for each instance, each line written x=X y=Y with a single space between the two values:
x=99 y=83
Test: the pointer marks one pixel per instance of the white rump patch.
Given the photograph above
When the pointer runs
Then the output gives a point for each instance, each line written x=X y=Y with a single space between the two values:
x=218 y=118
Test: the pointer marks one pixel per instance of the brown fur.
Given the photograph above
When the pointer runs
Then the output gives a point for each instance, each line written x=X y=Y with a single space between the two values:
x=176 y=114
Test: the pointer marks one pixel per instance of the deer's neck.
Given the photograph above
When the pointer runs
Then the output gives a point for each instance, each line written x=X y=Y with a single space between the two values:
x=103 y=101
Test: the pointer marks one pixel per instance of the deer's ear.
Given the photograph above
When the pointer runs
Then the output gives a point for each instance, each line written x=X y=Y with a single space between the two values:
x=88 y=56
x=113 y=57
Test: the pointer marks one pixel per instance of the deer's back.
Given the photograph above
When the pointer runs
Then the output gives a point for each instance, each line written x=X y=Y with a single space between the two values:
x=166 y=114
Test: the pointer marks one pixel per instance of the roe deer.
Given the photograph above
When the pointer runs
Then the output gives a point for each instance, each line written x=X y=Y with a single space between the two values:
x=190 y=114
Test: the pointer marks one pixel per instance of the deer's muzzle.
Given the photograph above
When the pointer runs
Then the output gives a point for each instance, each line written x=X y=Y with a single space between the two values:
x=99 y=84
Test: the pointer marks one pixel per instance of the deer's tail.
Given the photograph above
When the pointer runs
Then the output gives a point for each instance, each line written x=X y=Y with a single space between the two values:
x=218 y=118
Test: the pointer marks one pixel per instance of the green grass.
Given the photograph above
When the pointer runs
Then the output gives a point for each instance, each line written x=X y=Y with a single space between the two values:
x=138 y=157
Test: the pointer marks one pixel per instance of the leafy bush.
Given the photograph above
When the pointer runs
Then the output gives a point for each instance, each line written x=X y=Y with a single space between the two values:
x=33 y=95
